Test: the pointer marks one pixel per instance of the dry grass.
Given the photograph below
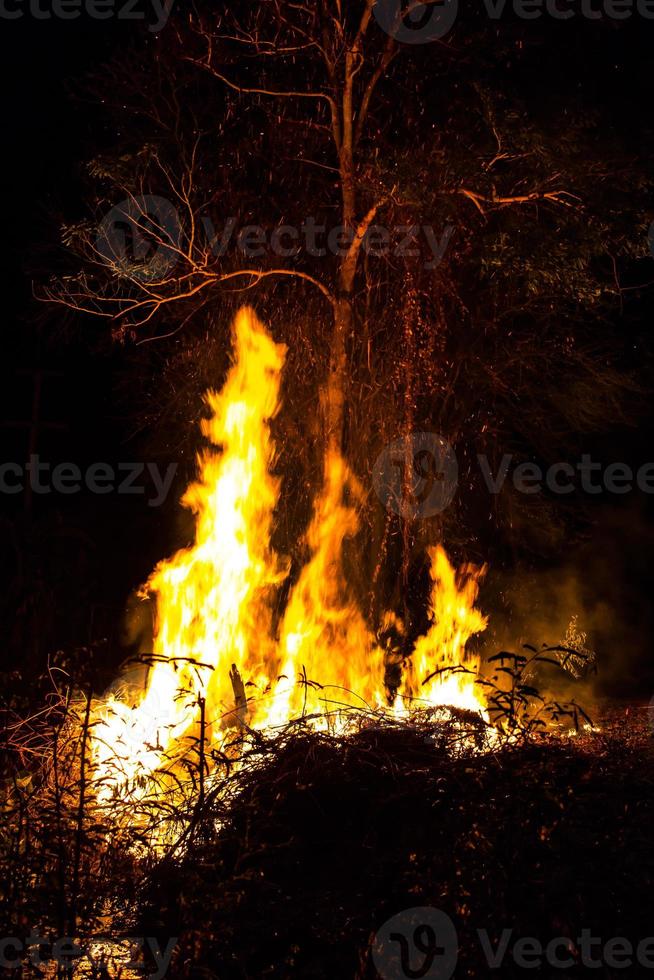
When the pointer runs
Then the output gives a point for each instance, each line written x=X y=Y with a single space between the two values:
x=294 y=847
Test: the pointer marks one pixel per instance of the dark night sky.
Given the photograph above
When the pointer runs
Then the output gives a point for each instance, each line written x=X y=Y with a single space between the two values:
x=47 y=137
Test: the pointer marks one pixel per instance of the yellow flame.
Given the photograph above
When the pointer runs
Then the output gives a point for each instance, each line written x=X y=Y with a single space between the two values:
x=324 y=633
x=214 y=626
x=440 y=670
x=212 y=599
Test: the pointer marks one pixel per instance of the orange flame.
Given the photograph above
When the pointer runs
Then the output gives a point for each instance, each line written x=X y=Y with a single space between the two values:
x=324 y=632
x=440 y=669
x=214 y=601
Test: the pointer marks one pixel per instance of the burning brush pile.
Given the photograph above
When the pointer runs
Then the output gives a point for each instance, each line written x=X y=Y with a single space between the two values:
x=221 y=665
x=227 y=667
x=325 y=845
x=293 y=761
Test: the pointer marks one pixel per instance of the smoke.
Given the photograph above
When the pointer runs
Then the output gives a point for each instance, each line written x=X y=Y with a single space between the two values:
x=604 y=582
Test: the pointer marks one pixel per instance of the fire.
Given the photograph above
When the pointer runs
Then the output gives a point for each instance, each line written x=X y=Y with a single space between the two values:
x=440 y=670
x=323 y=632
x=212 y=599
x=217 y=653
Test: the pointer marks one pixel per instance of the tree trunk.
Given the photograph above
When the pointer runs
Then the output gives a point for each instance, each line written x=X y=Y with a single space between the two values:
x=335 y=394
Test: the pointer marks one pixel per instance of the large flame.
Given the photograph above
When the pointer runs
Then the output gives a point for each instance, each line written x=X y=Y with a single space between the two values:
x=216 y=652
x=212 y=599
x=324 y=633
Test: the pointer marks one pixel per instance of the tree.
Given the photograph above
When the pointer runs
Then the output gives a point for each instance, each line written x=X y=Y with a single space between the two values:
x=513 y=325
